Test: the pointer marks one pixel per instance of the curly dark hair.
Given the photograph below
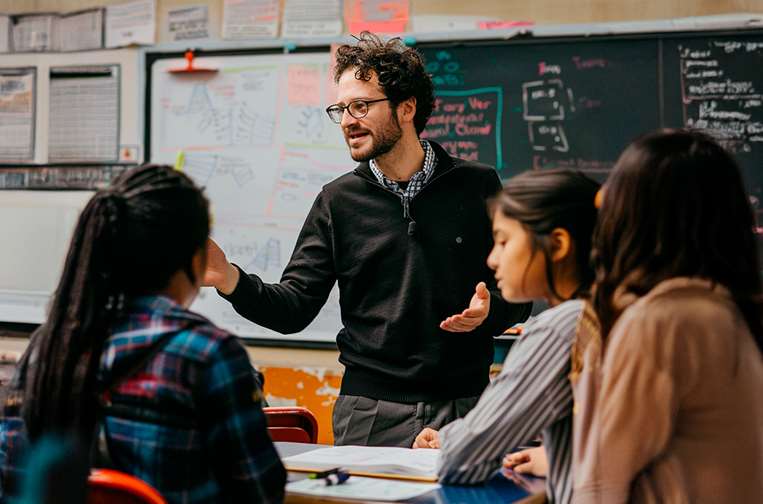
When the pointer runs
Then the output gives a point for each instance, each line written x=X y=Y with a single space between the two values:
x=400 y=71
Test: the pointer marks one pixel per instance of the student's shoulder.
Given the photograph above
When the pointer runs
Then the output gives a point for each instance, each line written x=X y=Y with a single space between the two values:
x=559 y=320
x=201 y=340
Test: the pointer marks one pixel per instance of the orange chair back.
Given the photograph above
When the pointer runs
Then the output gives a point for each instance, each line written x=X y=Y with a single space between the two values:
x=291 y=423
x=106 y=486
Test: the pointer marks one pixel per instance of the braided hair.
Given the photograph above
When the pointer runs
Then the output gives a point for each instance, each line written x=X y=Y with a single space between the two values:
x=130 y=240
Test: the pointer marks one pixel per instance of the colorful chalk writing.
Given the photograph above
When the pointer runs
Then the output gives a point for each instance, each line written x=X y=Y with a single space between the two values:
x=467 y=123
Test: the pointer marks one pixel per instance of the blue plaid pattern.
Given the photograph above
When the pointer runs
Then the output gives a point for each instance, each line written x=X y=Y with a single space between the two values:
x=189 y=421
x=417 y=182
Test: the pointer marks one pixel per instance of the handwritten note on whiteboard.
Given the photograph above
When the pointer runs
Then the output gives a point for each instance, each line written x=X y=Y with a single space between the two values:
x=304 y=85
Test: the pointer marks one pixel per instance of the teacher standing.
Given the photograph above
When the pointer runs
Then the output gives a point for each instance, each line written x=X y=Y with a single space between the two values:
x=405 y=234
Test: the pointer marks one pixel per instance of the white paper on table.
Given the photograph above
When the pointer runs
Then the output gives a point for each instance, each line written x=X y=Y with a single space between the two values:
x=250 y=19
x=84 y=113
x=189 y=22
x=311 y=18
x=5 y=34
x=131 y=23
x=33 y=33
x=361 y=488
x=17 y=99
x=386 y=460
x=80 y=31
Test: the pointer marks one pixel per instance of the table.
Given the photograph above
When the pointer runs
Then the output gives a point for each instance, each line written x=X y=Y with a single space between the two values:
x=498 y=490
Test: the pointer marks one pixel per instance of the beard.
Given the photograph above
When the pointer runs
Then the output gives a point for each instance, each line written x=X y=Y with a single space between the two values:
x=382 y=141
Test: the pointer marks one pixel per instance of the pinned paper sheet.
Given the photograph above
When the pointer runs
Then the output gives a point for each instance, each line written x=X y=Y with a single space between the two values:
x=131 y=23
x=377 y=16
x=311 y=18
x=17 y=99
x=5 y=33
x=250 y=19
x=80 y=31
x=304 y=85
x=33 y=32
x=187 y=22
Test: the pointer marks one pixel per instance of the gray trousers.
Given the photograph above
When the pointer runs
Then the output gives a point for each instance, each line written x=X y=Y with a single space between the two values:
x=362 y=421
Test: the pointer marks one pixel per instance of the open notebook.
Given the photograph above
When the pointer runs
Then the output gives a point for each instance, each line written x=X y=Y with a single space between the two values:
x=398 y=463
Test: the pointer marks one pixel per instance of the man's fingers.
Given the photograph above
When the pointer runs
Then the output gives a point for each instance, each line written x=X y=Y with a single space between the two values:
x=473 y=313
x=456 y=326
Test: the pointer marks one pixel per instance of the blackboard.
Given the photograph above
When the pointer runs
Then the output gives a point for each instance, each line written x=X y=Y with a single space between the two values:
x=577 y=102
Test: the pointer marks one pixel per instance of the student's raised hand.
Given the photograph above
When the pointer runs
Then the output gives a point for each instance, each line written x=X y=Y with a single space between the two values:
x=428 y=438
x=530 y=461
x=220 y=273
x=473 y=316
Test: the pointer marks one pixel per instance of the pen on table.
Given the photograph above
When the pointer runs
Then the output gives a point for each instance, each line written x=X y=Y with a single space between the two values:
x=323 y=474
x=336 y=478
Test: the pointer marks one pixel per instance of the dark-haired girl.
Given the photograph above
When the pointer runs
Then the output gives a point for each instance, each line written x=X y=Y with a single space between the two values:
x=673 y=412
x=120 y=358
x=542 y=225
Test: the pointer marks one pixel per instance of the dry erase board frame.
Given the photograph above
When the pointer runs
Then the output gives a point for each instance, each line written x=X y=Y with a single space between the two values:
x=155 y=72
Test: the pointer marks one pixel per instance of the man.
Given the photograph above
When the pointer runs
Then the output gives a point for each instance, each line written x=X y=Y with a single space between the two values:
x=406 y=235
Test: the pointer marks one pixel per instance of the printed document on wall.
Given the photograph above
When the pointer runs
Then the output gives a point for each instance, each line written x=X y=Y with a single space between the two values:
x=33 y=32
x=250 y=19
x=17 y=99
x=131 y=23
x=84 y=113
x=187 y=22
x=80 y=31
x=5 y=34
x=312 y=18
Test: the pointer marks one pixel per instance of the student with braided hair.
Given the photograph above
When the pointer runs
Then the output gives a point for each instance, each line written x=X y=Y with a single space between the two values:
x=172 y=399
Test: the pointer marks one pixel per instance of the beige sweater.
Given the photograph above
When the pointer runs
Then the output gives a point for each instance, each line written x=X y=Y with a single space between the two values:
x=674 y=413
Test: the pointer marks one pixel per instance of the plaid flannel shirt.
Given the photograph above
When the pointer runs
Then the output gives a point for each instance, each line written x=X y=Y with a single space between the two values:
x=415 y=184
x=189 y=421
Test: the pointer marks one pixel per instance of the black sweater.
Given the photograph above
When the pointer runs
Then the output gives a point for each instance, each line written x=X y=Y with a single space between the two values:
x=396 y=284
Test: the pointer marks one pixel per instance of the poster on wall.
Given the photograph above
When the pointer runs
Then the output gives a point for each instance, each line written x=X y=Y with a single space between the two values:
x=17 y=112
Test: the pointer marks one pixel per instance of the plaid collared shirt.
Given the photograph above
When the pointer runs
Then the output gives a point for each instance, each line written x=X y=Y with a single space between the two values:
x=417 y=182
x=189 y=421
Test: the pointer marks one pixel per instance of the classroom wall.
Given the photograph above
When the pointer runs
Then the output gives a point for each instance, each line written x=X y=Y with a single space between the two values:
x=540 y=11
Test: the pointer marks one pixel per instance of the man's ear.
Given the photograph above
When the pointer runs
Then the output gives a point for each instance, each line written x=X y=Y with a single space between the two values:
x=406 y=110
x=561 y=244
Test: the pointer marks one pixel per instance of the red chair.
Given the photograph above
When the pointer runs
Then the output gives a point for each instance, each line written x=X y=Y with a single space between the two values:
x=106 y=486
x=291 y=423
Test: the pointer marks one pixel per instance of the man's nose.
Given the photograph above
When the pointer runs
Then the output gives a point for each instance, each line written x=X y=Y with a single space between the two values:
x=347 y=119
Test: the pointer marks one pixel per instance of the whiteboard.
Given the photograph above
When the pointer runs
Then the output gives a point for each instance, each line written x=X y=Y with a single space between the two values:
x=36 y=235
x=256 y=136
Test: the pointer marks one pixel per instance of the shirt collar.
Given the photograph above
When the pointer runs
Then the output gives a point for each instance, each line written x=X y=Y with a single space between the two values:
x=430 y=159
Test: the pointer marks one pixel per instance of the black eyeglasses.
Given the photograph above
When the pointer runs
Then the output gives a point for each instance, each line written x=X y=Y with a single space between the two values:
x=357 y=109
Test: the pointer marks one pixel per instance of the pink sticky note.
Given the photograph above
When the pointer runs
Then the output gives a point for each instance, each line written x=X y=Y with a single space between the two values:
x=304 y=85
x=377 y=16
